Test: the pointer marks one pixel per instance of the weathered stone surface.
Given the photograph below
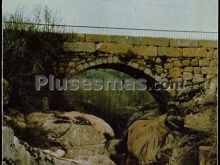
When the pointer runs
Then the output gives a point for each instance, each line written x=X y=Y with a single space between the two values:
x=155 y=41
x=145 y=141
x=147 y=71
x=125 y=40
x=113 y=48
x=98 y=61
x=115 y=59
x=97 y=38
x=177 y=63
x=79 y=47
x=204 y=62
x=185 y=62
x=175 y=72
x=197 y=52
x=197 y=70
x=8 y=139
x=145 y=51
x=183 y=43
x=135 y=65
x=146 y=133
x=188 y=69
x=78 y=133
x=159 y=69
x=209 y=70
x=169 y=51
x=208 y=44
x=195 y=62
x=197 y=78
x=187 y=76
x=213 y=63
x=20 y=153
x=158 y=60
x=168 y=65
x=85 y=66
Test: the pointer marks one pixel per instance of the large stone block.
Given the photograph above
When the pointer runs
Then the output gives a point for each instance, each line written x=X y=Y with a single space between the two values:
x=209 y=70
x=168 y=65
x=113 y=48
x=145 y=51
x=197 y=52
x=155 y=41
x=187 y=76
x=169 y=51
x=197 y=78
x=183 y=43
x=185 y=62
x=175 y=72
x=79 y=47
x=125 y=40
x=188 y=69
x=194 y=62
x=97 y=38
x=208 y=44
x=159 y=69
x=204 y=62
x=177 y=63
x=213 y=63
x=197 y=70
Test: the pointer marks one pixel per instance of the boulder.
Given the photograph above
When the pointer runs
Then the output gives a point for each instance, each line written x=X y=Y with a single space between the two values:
x=150 y=141
x=76 y=133
x=20 y=153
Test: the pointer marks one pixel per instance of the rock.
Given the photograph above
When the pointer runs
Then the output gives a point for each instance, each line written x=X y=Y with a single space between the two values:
x=175 y=72
x=197 y=70
x=20 y=153
x=204 y=62
x=209 y=70
x=183 y=43
x=197 y=78
x=169 y=51
x=195 y=62
x=78 y=133
x=168 y=65
x=185 y=62
x=187 y=76
x=177 y=63
x=9 y=153
x=151 y=142
x=144 y=138
x=145 y=51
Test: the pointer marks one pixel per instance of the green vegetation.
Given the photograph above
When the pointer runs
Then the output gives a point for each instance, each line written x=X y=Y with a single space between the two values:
x=31 y=49
x=115 y=106
x=26 y=53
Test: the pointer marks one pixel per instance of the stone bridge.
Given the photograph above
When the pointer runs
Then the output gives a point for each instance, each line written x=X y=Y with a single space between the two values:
x=192 y=62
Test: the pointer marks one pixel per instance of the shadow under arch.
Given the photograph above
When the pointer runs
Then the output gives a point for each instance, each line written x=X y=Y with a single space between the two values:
x=161 y=96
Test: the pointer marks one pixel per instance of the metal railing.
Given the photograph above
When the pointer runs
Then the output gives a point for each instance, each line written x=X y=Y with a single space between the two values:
x=111 y=30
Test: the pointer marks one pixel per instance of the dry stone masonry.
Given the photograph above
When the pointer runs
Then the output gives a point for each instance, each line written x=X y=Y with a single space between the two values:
x=165 y=60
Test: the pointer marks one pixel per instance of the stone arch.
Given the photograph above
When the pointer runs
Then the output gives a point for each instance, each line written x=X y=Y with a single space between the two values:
x=134 y=68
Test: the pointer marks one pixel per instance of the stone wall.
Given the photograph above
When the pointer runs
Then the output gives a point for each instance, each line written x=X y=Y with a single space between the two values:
x=191 y=61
